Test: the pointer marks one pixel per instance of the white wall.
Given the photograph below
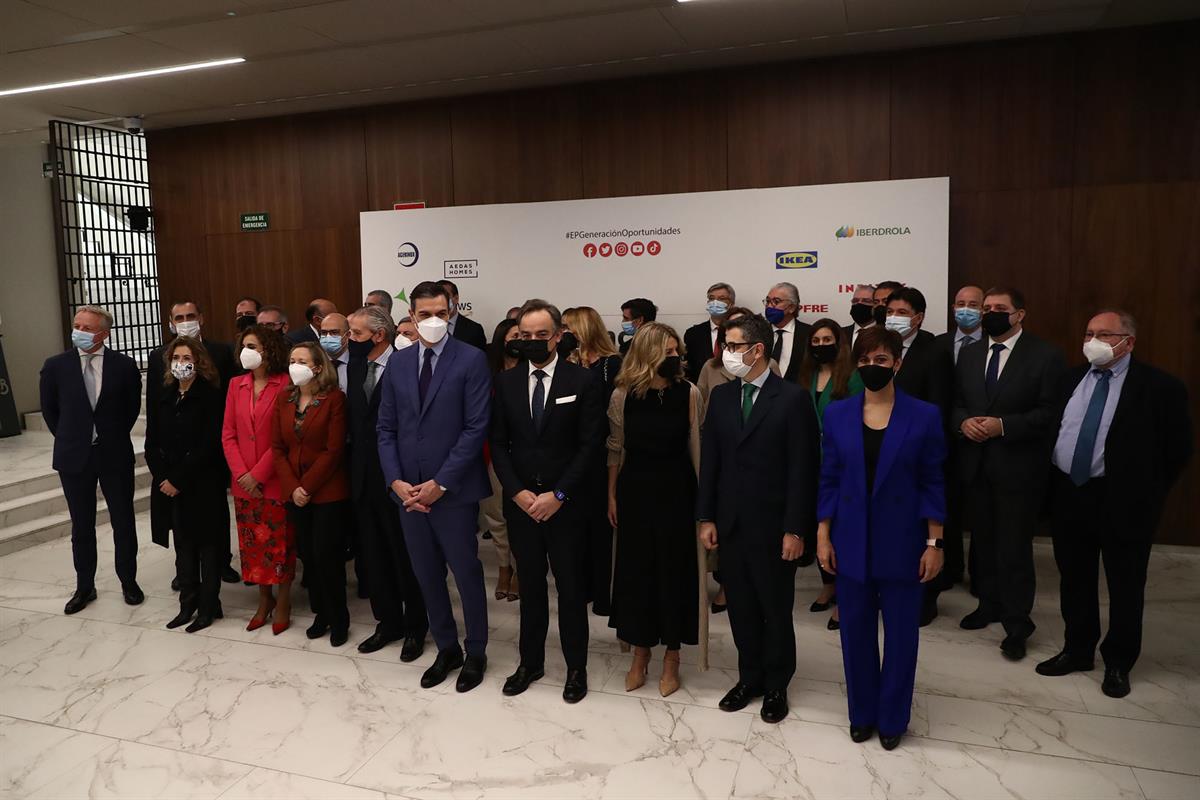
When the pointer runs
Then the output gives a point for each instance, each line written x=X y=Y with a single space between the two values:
x=30 y=307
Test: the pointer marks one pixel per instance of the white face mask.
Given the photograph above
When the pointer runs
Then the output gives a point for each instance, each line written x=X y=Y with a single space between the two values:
x=251 y=359
x=433 y=329
x=403 y=341
x=189 y=328
x=734 y=363
x=1098 y=352
x=901 y=325
x=182 y=370
x=301 y=374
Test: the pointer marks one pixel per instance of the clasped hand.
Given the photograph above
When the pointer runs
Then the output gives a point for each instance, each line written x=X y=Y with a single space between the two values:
x=980 y=429
x=540 y=507
x=417 y=498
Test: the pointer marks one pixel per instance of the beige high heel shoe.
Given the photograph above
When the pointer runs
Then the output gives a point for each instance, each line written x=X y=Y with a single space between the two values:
x=637 y=670
x=669 y=682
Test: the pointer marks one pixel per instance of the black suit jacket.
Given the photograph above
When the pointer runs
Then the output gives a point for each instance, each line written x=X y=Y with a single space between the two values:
x=221 y=354
x=362 y=415
x=471 y=332
x=1025 y=399
x=70 y=416
x=927 y=373
x=800 y=337
x=758 y=480
x=304 y=333
x=561 y=456
x=1148 y=444
x=697 y=341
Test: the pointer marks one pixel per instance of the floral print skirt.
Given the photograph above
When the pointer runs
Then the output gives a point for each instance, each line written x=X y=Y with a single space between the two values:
x=266 y=540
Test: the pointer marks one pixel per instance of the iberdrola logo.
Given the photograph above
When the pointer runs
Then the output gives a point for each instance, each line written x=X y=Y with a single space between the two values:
x=845 y=232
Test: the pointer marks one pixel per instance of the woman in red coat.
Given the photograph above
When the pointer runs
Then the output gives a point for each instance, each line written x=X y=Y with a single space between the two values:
x=266 y=541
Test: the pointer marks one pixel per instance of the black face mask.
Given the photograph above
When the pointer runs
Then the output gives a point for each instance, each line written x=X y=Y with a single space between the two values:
x=535 y=351
x=824 y=353
x=670 y=367
x=875 y=377
x=245 y=321
x=879 y=314
x=996 y=323
x=567 y=344
x=359 y=350
x=512 y=349
x=862 y=314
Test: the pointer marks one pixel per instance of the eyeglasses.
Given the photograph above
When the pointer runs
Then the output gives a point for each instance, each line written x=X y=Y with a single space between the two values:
x=775 y=302
x=732 y=347
x=1105 y=336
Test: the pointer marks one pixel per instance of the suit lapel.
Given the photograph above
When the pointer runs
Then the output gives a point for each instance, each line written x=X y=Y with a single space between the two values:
x=1016 y=359
x=1129 y=391
x=558 y=388
x=441 y=365
x=893 y=438
x=856 y=456
x=759 y=409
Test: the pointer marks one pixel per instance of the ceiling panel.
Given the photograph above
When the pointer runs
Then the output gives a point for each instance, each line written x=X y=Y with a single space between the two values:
x=872 y=15
x=24 y=26
x=365 y=21
x=122 y=13
x=708 y=25
x=247 y=36
x=595 y=39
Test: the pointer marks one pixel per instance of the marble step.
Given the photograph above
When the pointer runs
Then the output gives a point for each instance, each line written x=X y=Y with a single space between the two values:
x=34 y=421
x=48 y=502
x=56 y=525
x=46 y=479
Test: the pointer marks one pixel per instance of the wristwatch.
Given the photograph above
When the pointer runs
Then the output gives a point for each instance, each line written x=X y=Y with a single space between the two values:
x=935 y=543
x=560 y=496
x=443 y=488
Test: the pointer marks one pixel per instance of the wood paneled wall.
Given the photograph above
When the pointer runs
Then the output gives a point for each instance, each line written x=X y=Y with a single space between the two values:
x=1074 y=166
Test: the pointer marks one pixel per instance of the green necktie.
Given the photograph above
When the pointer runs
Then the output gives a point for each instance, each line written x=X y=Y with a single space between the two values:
x=748 y=390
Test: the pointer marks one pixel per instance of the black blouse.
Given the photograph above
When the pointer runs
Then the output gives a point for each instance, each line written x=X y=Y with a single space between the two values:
x=872 y=442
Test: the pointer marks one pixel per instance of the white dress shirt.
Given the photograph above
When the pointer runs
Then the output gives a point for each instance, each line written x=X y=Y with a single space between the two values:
x=785 y=355
x=97 y=366
x=546 y=381
x=1009 y=344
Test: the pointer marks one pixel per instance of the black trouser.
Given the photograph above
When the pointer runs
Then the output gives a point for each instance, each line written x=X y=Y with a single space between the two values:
x=1002 y=521
x=395 y=594
x=561 y=543
x=116 y=481
x=1084 y=531
x=599 y=556
x=198 y=564
x=321 y=542
x=760 y=588
x=357 y=547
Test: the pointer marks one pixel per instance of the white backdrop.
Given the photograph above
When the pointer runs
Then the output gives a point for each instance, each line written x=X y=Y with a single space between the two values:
x=670 y=248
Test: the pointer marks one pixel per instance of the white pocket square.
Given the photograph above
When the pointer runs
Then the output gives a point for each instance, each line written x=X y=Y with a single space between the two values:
x=558 y=401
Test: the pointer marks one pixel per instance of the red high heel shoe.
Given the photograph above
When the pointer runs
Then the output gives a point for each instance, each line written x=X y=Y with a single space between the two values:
x=279 y=627
x=257 y=622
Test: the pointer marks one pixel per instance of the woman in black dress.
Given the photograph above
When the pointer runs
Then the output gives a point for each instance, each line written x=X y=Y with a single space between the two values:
x=653 y=455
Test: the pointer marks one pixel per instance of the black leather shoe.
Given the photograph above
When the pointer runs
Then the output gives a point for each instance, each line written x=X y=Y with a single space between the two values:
x=318 y=629
x=79 y=601
x=977 y=620
x=201 y=622
x=575 y=689
x=860 y=733
x=339 y=634
x=182 y=618
x=471 y=675
x=413 y=648
x=890 y=742
x=929 y=611
x=833 y=624
x=774 y=707
x=1064 y=664
x=1013 y=647
x=738 y=697
x=519 y=681
x=375 y=642
x=175 y=584
x=817 y=608
x=230 y=575
x=133 y=593
x=1116 y=682
x=446 y=660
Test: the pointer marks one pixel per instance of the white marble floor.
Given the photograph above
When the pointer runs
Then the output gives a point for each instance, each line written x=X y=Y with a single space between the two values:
x=108 y=703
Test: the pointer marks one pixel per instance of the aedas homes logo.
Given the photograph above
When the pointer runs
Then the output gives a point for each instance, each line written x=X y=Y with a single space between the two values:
x=849 y=231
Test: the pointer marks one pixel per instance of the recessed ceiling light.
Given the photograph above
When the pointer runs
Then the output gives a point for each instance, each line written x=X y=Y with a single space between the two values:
x=124 y=76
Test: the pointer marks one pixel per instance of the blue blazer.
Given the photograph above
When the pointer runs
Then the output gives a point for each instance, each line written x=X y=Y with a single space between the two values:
x=443 y=438
x=70 y=417
x=890 y=526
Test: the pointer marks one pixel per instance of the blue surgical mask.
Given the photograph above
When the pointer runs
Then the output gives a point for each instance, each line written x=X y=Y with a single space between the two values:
x=774 y=315
x=628 y=328
x=82 y=339
x=331 y=344
x=899 y=324
x=716 y=308
x=967 y=318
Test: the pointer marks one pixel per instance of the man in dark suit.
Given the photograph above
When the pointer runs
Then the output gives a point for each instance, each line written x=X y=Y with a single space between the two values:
x=1124 y=438
x=434 y=417
x=91 y=397
x=314 y=314
x=1003 y=418
x=635 y=313
x=862 y=311
x=757 y=500
x=462 y=328
x=395 y=595
x=789 y=339
x=700 y=340
x=546 y=428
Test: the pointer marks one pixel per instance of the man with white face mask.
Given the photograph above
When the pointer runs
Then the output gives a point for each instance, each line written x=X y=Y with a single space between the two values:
x=434 y=417
x=1123 y=440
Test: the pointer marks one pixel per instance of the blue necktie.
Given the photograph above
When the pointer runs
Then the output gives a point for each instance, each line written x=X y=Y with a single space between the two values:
x=993 y=369
x=426 y=376
x=1085 y=445
x=538 y=407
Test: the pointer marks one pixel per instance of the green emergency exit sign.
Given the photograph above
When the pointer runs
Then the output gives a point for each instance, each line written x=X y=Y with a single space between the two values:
x=258 y=221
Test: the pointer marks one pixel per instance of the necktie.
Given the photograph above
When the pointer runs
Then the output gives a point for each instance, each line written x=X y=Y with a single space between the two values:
x=748 y=390
x=369 y=383
x=426 y=375
x=89 y=379
x=993 y=368
x=538 y=407
x=1085 y=445
x=716 y=347
x=777 y=350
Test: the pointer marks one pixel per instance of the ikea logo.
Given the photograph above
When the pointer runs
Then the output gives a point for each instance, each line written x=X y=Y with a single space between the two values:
x=797 y=259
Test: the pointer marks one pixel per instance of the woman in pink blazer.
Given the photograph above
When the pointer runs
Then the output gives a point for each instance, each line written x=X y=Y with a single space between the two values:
x=266 y=541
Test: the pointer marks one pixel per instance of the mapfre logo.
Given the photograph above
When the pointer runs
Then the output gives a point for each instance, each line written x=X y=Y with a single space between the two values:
x=796 y=259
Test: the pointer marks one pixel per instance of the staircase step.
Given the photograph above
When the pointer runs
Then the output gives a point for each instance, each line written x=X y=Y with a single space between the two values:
x=56 y=525
x=36 y=505
x=34 y=421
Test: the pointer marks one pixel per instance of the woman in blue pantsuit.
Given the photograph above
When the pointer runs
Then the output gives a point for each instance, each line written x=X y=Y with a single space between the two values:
x=881 y=509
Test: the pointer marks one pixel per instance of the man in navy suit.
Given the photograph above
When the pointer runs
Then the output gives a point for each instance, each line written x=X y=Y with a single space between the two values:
x=433 y=420
x=91 y=398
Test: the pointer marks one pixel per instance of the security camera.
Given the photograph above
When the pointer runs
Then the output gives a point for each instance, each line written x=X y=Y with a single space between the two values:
x=133 y=125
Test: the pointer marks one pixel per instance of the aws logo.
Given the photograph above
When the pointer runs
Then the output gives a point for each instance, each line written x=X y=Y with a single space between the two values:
x=844 y=232
x=796 y=259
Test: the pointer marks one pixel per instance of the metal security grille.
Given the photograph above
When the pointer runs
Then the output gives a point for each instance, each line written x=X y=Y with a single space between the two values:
x=100 y=175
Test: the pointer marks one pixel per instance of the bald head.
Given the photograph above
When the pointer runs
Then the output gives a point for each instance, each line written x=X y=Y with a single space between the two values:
x=969 y=297
x=335 y=323
x=317 y=309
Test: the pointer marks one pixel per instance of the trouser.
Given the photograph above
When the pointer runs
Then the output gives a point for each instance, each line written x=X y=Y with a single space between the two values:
x=491 y=518
x=395 y=595
x=598 y=551
x=760 y=588
x=198 y=565
x=321 y=542
x=880 y=696
x=561 y=543
x=446 y=537
x=1002 y=525
x=1084 y=532
x=116 y=481
x=357 y=549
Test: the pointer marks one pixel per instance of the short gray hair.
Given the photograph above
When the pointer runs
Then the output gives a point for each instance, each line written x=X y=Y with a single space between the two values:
x=1127 y=321
x=791 y=290
x=103 y=313
x=858 y=287
x=726 y=287
x=384 y=297
x=376 y=319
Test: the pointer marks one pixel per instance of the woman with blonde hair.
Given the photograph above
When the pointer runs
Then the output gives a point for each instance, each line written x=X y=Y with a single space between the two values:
x=653 y=462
